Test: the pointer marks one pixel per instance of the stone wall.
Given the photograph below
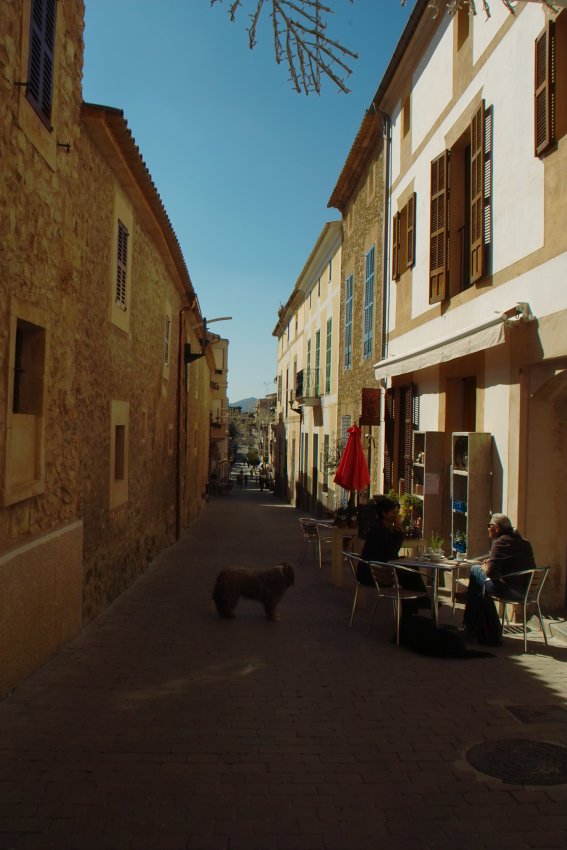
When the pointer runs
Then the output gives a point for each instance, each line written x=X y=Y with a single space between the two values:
x=114 y=365
x=363 y=226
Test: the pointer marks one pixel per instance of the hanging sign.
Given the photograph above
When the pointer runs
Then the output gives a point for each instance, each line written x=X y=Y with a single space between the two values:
x=370 y=406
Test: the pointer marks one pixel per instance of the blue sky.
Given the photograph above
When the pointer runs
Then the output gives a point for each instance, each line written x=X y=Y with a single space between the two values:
x=244 y=165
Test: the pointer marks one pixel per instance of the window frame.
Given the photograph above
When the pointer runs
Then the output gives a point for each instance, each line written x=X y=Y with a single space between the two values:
x=369 y=294
x=349 y=304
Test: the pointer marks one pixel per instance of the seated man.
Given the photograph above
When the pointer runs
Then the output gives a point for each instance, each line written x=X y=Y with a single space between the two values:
x=509 y=553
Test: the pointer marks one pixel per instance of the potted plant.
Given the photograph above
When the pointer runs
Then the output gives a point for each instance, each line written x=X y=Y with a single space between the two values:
x=435 y=546
x=460 y=541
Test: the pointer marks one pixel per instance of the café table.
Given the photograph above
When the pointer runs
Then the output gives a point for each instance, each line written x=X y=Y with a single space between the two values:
x=436 y=568
x=341 y=538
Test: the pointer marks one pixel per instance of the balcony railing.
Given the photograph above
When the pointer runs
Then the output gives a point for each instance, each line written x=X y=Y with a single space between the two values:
x=308 y=386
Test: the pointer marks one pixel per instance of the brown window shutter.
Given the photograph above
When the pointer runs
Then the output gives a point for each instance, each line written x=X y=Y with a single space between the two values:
x=476 y=258
x=389 y=438
x=39 y=88
x=406 y=438
x=121 y=266
x=544 y=106
x=439 y=228
x=396 y=245
x=411 y=232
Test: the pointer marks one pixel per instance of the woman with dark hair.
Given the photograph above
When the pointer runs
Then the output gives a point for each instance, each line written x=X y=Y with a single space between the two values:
x=384 y=542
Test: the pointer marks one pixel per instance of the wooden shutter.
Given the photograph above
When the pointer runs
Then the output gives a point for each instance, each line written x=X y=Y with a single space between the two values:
x=389 y=439
x=121 y=266
x=410 y=232
x=544 y=107
x=406 y=437
x=396 y=245
x=39 y=89
x=476 y=259
x=439 y=228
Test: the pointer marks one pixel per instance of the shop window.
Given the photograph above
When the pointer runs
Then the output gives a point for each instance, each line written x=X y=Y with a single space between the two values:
x=461 y=211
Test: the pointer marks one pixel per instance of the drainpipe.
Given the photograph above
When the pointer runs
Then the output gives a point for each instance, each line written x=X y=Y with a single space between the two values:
x=387 y=135
x=387 y=132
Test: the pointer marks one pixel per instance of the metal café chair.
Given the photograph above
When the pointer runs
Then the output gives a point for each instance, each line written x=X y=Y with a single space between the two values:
x=324 y=536
x=535 y=580
x=310 y=536
x=385 y=577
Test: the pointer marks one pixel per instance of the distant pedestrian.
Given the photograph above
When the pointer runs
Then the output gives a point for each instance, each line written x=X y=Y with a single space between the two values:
x=246 y=479
x=240 y=478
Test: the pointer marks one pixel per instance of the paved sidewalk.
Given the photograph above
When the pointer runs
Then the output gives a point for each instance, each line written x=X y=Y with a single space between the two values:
x=163 y=727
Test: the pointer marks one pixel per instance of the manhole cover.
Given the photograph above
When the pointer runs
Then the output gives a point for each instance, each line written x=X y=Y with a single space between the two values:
x=539 y=713
x=521 y=762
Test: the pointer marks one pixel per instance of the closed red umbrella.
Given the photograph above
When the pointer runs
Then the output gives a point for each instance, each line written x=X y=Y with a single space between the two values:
x=352 y=472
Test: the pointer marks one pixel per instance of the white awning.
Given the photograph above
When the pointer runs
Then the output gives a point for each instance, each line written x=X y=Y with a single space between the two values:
x=466 y=341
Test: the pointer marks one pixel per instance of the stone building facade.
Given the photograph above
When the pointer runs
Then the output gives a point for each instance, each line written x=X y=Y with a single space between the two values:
x=359 y=196
x=104 y=432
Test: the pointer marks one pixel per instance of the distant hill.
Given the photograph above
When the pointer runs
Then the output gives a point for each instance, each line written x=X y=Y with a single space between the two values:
x=247 y=404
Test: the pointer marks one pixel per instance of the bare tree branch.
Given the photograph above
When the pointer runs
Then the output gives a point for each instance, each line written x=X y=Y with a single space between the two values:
x=309 y=52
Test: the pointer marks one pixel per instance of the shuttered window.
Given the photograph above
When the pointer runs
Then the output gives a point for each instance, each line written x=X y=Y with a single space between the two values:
x=477 y=195
x=439 y=228
x=328 y=355
x=349 y=294
x=166 y=340
x=545 y=89
x=403 y=239
x=39 y=89
x=121 y=265
x=396 y=245
x=317 y=361
x=368 y=340
x=389 y=439
x=409 y=422
x=410 y=232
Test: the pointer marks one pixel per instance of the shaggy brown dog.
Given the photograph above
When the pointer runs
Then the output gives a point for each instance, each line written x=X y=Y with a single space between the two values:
x=266 y=586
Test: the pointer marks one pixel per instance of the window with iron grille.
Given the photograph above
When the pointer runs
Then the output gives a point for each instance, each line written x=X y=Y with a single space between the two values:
x=346 y=422
x=39 y=88
x=308 y=367
x=349 y=294
x=368 y=338
x=328 y=356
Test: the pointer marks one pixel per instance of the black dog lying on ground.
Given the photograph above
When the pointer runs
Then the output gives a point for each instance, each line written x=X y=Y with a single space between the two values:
x=421 y=635
x=266 y=586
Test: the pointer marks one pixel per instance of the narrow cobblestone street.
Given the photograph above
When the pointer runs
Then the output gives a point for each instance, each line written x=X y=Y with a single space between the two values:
x=163 y=727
